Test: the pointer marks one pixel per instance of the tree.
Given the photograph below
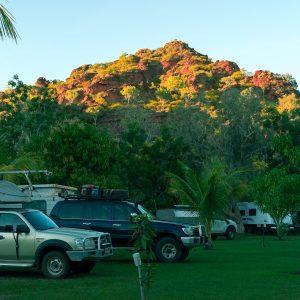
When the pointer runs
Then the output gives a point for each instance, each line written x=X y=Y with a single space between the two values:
x=130 y=93
x=77 y=154
x=7 y=28
x=207 y=191
x=288 y=103
x=278 y=190
x=144 y=161
x=278 y=193
x=240 y=137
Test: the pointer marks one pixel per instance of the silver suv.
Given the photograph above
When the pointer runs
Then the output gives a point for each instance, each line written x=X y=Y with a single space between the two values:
x=29 y=238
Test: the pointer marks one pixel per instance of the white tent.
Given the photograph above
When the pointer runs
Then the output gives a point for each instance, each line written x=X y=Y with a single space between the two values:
x=11 y=193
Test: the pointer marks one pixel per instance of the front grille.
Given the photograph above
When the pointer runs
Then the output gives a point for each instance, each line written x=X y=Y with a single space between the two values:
x=195 y=230
x=104 y=241
x=198 y=230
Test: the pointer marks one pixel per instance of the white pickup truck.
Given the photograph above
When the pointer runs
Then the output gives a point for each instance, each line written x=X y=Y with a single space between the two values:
x=30 y=239
x=185 y=214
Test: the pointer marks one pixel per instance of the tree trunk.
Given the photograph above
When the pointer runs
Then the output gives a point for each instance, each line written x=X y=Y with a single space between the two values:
x=209 y=244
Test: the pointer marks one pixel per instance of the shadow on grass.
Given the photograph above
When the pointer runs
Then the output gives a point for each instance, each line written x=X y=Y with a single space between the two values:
x=8 y=274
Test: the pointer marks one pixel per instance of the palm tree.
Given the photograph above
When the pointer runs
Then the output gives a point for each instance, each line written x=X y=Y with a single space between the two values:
x=7 y=28
x=207 y=191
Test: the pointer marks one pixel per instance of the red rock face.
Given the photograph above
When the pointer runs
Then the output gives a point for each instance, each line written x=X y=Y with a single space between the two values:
x=146 y=67
x=224 y=68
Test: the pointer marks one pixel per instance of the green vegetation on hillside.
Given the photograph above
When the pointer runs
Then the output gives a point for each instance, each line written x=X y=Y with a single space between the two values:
x=127 y=123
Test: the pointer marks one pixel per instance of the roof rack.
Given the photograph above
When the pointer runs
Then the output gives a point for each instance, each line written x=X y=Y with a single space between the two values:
x=95 y=193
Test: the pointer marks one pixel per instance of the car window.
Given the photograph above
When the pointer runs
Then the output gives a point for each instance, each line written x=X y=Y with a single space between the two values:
x=243 y=212
x=122 y=211
x=71 y=210
x=10 y=219
x=252 y=212
x=39 y=220
x=98 y=210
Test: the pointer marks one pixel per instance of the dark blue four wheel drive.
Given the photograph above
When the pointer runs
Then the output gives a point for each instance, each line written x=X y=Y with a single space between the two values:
x=173 y=241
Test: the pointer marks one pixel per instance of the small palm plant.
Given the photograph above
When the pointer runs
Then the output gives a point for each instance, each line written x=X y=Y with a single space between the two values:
x=207 y=191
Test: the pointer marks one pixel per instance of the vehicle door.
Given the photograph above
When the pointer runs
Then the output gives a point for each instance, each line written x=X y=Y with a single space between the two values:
x=98 y=216
x=9 y=240
x=219 y=226
x=70 y=214
x=121 y=225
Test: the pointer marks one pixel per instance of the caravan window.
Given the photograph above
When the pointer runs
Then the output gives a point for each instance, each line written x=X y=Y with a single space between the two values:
x=252 y=212
x=242 y=212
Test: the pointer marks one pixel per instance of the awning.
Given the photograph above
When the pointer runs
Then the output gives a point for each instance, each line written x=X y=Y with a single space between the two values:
x=11 y=193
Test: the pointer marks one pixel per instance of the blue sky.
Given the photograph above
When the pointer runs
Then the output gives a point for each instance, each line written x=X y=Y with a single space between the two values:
x=58 y=36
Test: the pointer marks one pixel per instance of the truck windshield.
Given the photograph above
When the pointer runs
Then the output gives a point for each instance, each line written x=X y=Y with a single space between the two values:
x=39 y=220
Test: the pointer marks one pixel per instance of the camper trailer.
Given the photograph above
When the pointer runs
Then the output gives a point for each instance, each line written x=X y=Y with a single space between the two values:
x=255 y=220
x=39 y=196
x=44 y=196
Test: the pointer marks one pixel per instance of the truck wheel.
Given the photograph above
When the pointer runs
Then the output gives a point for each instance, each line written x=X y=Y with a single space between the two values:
x=168 y=249
x=83 y=266
x=56 y=265
x=230 y=233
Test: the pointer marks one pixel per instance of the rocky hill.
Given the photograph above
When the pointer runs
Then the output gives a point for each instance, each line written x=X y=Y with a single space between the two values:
x=172 y=75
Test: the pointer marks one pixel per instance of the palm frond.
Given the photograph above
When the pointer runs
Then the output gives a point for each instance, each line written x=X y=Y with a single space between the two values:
x=7 y=28
x=28 y=161
x=186 y=190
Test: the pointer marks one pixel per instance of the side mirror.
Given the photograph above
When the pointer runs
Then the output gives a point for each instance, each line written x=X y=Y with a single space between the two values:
x=133 y=217
x=23 y=229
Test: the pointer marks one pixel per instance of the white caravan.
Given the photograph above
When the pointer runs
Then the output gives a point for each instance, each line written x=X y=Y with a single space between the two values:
x=255 y=220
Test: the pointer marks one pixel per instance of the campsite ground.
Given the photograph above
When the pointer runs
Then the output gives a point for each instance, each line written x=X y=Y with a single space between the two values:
x=240 y=269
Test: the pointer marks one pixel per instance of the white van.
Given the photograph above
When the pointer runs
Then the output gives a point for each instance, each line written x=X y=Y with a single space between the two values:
x=255 y=220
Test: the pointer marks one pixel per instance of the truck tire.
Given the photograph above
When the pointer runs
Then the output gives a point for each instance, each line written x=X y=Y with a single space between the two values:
x=56 y=265
x=168 y=249
x=83 y=267
x=230 y=233
x=185 y=253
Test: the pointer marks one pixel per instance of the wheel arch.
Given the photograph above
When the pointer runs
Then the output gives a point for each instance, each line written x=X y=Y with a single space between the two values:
x=47 y=246
x=167 y=234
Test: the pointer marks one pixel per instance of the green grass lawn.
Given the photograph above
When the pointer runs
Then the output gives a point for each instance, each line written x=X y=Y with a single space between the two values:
x=238 y=269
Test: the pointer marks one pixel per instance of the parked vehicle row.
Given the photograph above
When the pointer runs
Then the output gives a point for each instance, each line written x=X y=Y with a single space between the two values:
x=90 y=228
x=83 y=229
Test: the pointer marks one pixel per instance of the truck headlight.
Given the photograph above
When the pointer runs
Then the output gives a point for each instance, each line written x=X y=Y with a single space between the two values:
x=79 y=243
x=85 y=244
x=188 y=231
x=89 y=244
